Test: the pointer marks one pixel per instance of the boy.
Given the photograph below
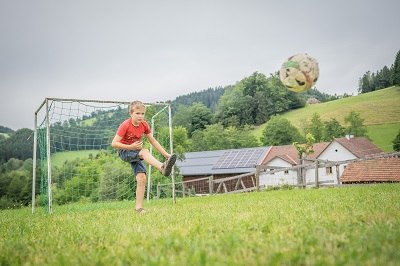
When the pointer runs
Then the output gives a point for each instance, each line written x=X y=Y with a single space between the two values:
x=128 y=140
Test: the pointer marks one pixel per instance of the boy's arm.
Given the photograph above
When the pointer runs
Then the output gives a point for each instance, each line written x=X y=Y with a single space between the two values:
x=157 y=145
x=117 y=144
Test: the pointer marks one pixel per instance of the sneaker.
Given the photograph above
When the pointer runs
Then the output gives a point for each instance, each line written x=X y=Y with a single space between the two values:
x=166 y=168
x=140 y=211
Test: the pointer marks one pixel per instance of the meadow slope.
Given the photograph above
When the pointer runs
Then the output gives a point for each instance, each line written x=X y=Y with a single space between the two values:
x=380 y=109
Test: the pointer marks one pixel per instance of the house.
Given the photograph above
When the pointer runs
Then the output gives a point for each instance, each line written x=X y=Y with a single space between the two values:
x=339 y=149
x=219 y=164
x=343 y=149
x=376 y=170
x=312 y=100
x=284 y=157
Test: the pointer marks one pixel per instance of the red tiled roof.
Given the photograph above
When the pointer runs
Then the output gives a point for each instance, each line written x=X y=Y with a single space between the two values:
x=318 y=149
x=289 y=153
x=377 y=170
x=359 y=146
x=288 y=159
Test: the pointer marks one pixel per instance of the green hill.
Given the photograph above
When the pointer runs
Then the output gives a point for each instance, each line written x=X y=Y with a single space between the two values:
x=380 y=109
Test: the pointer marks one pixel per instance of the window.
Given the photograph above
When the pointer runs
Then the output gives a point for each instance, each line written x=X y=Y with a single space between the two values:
x=329 y=170
x=286 y=172
x=272 y=169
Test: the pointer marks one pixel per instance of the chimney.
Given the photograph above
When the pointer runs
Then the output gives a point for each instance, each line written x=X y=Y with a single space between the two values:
x=349 y=136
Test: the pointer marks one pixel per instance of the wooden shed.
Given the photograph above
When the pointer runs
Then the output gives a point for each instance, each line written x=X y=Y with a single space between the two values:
x=220 y=164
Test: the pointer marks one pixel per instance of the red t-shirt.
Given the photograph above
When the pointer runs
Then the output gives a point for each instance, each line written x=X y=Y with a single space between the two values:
x=131 y=133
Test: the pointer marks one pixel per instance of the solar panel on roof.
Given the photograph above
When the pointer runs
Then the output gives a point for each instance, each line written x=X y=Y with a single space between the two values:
x=239 y=158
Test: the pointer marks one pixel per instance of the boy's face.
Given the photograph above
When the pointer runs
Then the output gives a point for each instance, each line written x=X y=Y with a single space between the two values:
x=137 y=114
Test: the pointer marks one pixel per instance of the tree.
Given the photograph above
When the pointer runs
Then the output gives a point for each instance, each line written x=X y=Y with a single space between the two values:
x=396 y=70
x=216 y=137
x=14 y=190
x=254 y=100
x=365 y=83
x=316 y=127
x=19 y=145
x=233 y=109
x=4 y=129
x=333 y=129
x=11 y=165
x=385 y=79
x=201 y=116
x=279 y=131
x=212 y=138
x=239 y=137
x=182 y=117
x=304 y=149
x=208 y=97
x=181 y=142
x=396 y=142
x=356 y=126
x=194 y=117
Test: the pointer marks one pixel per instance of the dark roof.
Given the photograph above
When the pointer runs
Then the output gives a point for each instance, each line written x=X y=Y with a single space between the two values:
x=198 y=163
x=233 y=161
x=377 y=170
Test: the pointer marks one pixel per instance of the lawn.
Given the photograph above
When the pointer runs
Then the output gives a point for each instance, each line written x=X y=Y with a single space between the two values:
x=350 y=225
x=383 y=135
x=57 y=159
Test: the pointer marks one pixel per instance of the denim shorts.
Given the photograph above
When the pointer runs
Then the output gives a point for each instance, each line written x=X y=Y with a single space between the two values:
x=132 y=157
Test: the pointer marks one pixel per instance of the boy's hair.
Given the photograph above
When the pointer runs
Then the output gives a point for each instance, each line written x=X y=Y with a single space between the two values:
x=134 y=104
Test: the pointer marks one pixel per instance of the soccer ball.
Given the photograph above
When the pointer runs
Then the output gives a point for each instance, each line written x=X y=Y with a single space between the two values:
x=299 y=72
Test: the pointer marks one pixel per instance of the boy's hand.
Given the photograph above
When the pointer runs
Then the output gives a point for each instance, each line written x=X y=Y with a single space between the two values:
x=137 y=145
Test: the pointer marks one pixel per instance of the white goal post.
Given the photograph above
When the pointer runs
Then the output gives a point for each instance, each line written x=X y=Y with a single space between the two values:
x=67 y=127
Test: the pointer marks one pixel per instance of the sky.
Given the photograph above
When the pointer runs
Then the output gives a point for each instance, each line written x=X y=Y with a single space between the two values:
x=159 y=50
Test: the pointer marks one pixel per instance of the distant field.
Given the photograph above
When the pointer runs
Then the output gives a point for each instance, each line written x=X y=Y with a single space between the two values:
x=59 y=158
x=383 y=135
x=354 y=225
x=377 y=107
x=5 y=135
x=380 y=109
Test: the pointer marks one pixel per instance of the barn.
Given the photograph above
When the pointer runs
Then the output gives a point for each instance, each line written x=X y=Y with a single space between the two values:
x=197 y=167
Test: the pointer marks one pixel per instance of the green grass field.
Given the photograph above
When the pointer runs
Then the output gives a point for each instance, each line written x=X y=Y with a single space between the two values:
x=380 y=109
x=383 y=135
x=352 y=225
x=5 y=135
x=58 y=159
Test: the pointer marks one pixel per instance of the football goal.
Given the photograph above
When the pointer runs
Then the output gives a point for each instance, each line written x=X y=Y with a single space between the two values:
x=73 y=157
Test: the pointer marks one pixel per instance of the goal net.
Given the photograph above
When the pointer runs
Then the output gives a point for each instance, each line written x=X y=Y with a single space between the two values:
x=74 y=157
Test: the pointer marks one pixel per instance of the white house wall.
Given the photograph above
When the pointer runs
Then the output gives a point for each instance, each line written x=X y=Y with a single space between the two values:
x=280 y=178
x=336 y=152
x=324 y=178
